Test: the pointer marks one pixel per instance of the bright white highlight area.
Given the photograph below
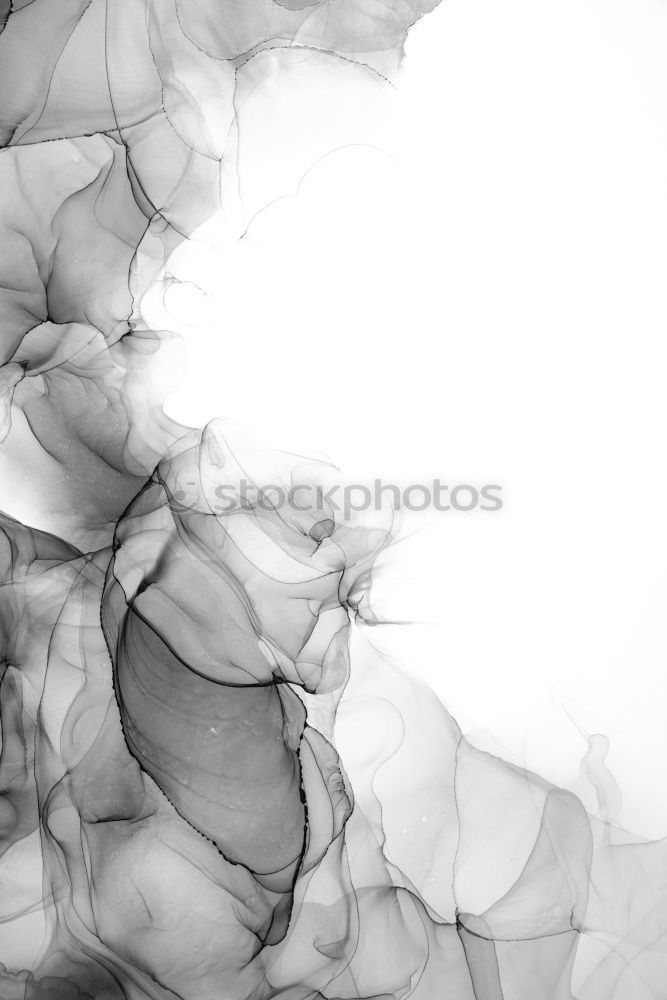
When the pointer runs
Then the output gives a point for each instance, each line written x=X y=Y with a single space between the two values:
x=464 y=279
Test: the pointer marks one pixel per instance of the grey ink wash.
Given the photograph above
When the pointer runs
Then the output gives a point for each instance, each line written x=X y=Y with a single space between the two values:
x=212 y=785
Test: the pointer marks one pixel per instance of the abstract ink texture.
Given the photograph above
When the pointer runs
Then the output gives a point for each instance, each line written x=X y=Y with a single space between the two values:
x=212 y=786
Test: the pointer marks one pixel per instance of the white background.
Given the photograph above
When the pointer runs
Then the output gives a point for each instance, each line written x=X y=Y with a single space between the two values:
x=478 y=294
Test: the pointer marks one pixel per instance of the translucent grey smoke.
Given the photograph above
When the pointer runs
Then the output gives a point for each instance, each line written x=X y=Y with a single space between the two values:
x=212 y=786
